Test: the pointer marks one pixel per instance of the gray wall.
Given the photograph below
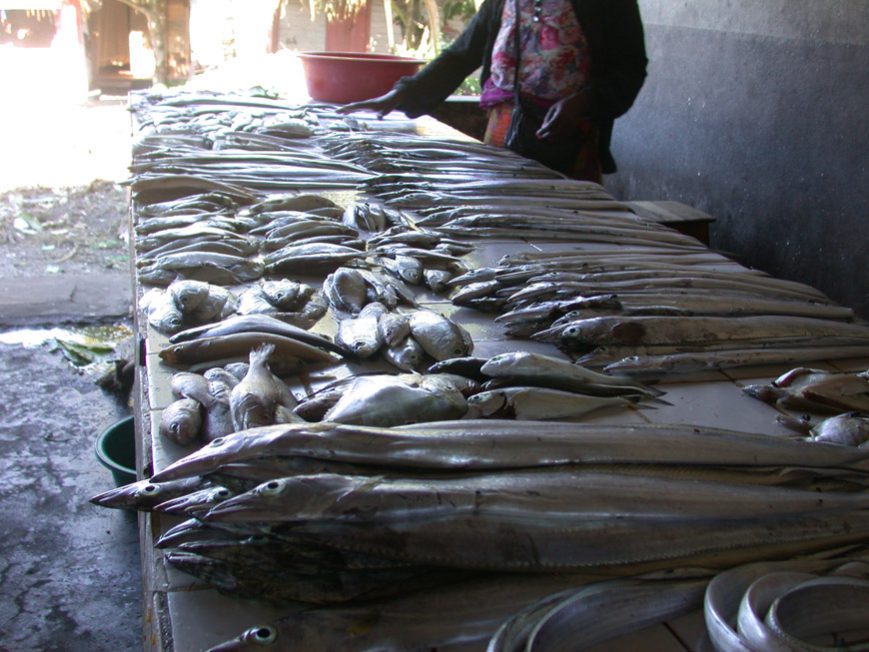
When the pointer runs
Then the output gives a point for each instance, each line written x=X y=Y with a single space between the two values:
x=756 y=113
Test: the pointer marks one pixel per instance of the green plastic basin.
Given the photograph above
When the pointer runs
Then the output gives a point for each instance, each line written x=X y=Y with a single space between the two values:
x=116 y=450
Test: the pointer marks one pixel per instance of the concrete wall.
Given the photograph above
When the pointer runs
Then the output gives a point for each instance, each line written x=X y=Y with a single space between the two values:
x=756 y=112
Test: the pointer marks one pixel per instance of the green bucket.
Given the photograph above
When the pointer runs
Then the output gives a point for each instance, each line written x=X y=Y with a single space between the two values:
x=116 y=450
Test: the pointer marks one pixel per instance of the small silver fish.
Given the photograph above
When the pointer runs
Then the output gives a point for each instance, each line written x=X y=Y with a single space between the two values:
x=180 y=421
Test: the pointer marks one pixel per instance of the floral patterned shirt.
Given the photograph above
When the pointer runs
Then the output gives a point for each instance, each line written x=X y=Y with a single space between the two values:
x=554 y=53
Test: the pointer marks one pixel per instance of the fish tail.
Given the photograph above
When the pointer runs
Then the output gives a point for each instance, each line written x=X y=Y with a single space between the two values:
x=261 y=354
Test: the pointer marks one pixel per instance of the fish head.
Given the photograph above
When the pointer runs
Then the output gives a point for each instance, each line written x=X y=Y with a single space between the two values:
x=129 y=496
x=251 y=505
x=485 y=404
x=255 y=638
x=189 y=294
x=204 y=460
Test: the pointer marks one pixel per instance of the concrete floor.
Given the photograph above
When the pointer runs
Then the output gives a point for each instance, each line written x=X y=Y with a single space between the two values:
x=69 y=571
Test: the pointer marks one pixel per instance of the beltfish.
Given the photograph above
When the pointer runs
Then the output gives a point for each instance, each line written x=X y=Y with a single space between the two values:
x=490 y=444
x=577 y=619
x=144 y=495
x=457 y=617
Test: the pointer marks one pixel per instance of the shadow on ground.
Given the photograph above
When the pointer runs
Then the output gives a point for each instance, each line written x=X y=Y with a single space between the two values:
x=69 y=571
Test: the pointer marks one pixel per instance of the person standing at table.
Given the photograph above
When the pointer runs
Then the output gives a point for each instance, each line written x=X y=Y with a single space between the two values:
x=580 y=64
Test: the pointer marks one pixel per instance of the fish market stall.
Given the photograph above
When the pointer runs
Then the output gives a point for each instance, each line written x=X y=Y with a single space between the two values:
x=400 y=389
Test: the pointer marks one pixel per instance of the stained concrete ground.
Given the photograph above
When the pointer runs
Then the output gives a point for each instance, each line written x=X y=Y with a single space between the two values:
x=69 y=571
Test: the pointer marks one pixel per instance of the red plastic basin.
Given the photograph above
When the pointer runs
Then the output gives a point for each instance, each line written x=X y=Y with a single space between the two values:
x=353 y=76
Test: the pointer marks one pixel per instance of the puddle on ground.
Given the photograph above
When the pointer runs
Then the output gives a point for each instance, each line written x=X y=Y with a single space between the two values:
x=81 y=346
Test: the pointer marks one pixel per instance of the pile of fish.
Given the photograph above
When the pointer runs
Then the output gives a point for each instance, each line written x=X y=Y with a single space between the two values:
x=227 y=399
x=409 y=157
x=841 y=394
x=333 y=513
x=186 y=303
x=650 y=312
x=458 y=504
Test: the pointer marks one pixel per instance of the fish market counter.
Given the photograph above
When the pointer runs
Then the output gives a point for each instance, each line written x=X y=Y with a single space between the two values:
x=423 y=283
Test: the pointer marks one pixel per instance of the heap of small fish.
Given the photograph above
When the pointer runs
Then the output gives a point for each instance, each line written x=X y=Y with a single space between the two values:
x=644 y=311
x=843 y=395
x=227 y=399
x=186 y=303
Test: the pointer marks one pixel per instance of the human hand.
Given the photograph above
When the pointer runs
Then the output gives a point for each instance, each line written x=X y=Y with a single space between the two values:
x=380 y=105
x=564 y=117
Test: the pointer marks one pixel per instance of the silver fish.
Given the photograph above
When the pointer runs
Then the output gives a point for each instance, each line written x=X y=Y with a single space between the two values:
x=218 y=416
x=164 y=315
x=254 y=301
x=257 y=323
x=389 y=401
x=406 y=355
x=144 y=495
x=394 y=327
x=346 y=290
x=440 y=337
x=254 y=400
x=437 y=280
x=537 y=403
x=359 y=335
x=188 y=294
x=576 y=619
x=186 y=384
x=548 y=371
x=180 y=421
x=491 y=444
x=816 y=390
x=286 y=294
x=288 y=352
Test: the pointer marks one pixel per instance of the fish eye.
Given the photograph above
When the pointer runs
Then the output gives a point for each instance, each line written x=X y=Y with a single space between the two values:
x=272 y=488
x=263 y=635
x=222 y=494
x=150 y=489
x=217 y=442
